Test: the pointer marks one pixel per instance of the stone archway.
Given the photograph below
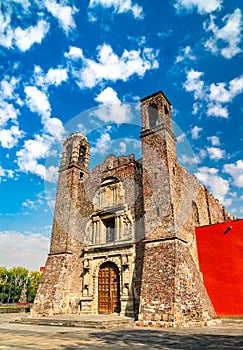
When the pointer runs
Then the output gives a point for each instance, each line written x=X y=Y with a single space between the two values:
x=109 y=289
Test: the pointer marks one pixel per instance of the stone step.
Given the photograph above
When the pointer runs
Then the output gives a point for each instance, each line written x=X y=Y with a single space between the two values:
x=76 y=322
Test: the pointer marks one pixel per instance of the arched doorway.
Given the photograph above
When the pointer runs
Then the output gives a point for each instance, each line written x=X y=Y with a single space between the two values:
x=108 y=289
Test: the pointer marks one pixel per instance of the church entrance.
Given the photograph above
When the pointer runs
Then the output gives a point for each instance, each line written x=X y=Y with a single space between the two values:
x=108 y=289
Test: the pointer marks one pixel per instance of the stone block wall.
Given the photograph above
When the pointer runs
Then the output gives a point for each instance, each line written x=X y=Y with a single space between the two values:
x=172 y=292
x=56 y=291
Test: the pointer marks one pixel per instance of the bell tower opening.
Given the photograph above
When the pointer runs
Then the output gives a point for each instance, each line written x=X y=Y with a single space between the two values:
x=153 y=115
x=69 y=153
x=76 y=152
x=82 y=152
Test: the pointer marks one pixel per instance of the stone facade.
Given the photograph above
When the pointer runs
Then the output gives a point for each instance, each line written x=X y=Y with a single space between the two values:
x=123 y=238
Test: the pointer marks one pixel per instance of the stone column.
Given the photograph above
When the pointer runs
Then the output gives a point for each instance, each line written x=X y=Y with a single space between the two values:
x=117 y=228
x=94 y=231
x=98 y=234
x=121 y=227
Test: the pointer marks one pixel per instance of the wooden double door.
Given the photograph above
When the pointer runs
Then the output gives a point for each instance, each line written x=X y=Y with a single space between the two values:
x=108 y=289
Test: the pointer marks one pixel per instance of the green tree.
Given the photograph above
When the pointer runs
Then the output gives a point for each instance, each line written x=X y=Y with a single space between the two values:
x=34 y=281
x=18 y=283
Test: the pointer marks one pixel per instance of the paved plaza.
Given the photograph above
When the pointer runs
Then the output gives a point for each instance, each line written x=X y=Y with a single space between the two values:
x=228 y=335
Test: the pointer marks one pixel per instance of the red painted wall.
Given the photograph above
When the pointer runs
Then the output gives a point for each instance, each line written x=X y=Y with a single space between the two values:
x=220 y=254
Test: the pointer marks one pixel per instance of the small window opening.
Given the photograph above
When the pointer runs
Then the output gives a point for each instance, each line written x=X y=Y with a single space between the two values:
x=166 y=110
x=110 y=229
x=155 y=176
x=81 y=176
x=82 y=151
x=69 y=153
x=153 y=116
x=158 y=211
x=173 y=169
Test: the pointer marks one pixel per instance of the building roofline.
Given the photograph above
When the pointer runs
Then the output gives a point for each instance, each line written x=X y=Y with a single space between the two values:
x=154 y=94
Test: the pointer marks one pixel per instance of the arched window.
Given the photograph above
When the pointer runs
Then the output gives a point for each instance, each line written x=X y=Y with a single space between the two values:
x=69 y=150
x=153 y=115
x=166 y=110
x=82 y=151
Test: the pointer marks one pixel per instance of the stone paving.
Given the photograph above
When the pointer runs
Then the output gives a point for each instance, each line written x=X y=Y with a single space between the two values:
x=228 y=335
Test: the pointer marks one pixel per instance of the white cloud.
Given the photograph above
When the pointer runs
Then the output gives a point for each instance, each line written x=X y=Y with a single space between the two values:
x=184 y=159
x=108 y=96
x=216 y=184
x=18 y=249
x=236 y=171
x=217 y=110
x=185 y=55
x=32 y=152
x=7 y=112
x=24 y=3
x=181 y=137
x=220 y=93
x=8 y=85
x=10 y=137
x=6 y=32
x=118 y=6
x=103 y=143
x=63 y=13
x=236 y=86
x=122 y=147
x=37 y=101
x=109 y=66
x=28 y=203
x=54 y=127
x=74 y=53
x=202 y=6
x=196 y=107
x=25 y=38
x=214 y=140
x=111 y=109
x=54 y=76
x=195 y=132
x=195 y=84
x=215 y=153
x=6 y=173
x=229 y=36
x=215 y=95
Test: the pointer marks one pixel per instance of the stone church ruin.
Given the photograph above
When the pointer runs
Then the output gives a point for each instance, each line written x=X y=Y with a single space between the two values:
x=123 y=239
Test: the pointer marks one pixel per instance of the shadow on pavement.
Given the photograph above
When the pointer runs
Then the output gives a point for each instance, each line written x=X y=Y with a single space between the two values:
x=159 y=339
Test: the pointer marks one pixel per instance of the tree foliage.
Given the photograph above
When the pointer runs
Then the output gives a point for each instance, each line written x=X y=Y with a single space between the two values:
x=18 y=284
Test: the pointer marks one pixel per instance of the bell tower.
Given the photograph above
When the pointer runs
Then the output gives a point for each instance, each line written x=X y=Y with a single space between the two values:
x=73 y=170
x=59 y=292
x=159 y=161
x=172 y=292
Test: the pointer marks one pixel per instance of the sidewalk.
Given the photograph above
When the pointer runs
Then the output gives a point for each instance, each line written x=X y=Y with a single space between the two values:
x=228 y=335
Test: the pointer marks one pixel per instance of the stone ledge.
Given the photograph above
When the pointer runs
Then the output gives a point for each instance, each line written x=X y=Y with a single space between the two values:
x=165 y=324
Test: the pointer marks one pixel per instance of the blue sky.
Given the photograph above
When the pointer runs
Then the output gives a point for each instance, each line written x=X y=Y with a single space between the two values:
x=69 y=65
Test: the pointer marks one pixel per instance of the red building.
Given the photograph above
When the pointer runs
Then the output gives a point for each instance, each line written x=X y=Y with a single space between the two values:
x=220 y=254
